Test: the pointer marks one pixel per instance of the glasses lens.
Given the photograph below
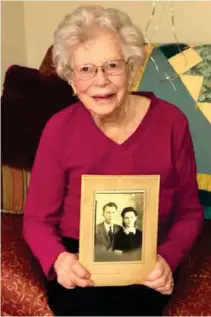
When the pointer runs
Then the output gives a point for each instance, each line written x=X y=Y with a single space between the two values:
x=115 y=67
x=85 y=71
x=112 y=68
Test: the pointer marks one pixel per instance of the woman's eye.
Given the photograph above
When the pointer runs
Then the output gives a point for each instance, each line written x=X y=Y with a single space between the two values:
x=113 y=65
x=86 y=69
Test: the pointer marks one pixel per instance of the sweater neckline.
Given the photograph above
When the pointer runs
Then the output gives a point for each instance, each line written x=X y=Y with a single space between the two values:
x=141 y=125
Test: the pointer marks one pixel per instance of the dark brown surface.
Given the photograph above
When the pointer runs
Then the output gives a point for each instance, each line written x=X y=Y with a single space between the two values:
x=29 y=99
x=46 y=67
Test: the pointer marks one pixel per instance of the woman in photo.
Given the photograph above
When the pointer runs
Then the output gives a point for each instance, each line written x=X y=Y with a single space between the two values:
x=129 y=238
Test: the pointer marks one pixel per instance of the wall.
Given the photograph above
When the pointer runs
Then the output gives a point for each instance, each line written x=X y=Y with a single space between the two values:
x=41 y=18
x=13 y=46
x=28 y=26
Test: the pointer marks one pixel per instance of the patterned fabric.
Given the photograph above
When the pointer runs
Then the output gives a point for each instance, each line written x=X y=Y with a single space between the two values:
x=22 y=292
x=192 y=293
x=204 y=182
x=183 y=88
x=203 y=69
x=14 y=189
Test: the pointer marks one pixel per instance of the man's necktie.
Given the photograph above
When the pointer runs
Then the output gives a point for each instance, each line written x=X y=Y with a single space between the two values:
x=110 y=234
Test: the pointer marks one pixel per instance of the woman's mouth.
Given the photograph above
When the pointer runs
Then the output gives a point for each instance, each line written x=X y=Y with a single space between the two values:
x=104 y=98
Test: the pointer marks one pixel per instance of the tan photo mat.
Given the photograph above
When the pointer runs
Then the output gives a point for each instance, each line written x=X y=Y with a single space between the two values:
x=127 y=272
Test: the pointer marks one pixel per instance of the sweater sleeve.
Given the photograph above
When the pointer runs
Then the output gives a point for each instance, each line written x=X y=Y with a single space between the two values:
x=44 y=199
x=189 y=214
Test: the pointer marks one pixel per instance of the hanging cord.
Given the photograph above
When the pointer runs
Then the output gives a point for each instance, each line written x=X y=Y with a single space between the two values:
x=169 y=5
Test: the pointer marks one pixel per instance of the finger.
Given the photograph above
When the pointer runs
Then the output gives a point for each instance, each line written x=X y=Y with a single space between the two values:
x=168 y=288
x=65 y=278
x=68 y=281
x=79 y=270
x=164 y=290
x=69 y=286
x=76 y=280
x=156 y=283
x=157 y=272
x=160 y=282
x=65 y=283
x=167 y=292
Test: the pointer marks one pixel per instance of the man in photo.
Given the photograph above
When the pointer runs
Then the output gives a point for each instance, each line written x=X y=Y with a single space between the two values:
x=105 y=231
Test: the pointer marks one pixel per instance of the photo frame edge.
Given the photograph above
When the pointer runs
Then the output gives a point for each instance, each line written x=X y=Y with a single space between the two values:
x=88 y=185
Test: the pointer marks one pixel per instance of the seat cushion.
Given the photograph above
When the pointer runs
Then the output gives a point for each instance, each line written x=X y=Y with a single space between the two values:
x=29 y=99
x=22 y=291
x=192 y=293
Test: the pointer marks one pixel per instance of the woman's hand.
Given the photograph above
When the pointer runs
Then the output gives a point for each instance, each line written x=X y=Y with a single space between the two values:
x=70 y=272
x=160 y=279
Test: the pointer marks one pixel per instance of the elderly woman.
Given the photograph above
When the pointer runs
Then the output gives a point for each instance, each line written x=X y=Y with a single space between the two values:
x=108 y=131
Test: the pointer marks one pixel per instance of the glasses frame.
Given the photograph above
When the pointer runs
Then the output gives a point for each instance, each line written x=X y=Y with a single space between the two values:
x=103 y=68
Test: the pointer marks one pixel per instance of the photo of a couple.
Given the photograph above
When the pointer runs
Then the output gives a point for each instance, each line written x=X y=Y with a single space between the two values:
x=118 y=229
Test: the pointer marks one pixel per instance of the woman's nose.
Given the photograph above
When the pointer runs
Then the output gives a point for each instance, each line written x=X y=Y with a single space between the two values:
x=101 y=77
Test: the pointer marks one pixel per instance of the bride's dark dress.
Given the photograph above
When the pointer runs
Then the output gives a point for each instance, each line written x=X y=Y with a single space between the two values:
x=126 y=242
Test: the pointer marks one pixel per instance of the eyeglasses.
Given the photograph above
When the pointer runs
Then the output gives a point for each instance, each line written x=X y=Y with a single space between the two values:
x=111 y=68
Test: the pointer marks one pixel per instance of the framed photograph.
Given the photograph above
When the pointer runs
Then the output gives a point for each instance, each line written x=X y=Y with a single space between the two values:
x=118 y=227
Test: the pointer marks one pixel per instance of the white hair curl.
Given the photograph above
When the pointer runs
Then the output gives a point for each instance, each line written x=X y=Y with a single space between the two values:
x=73 y=30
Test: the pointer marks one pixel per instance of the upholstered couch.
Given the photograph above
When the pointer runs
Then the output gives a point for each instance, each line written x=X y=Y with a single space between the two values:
x=23 y=292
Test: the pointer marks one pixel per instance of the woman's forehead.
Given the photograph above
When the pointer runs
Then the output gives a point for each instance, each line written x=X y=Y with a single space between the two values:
x=98 y=50
x=129 y=213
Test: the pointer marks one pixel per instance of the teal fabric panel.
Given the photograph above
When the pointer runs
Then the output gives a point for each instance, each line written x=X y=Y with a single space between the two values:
x=207 y=212
x=200 y=128
x=205 y=197
x=172 y=49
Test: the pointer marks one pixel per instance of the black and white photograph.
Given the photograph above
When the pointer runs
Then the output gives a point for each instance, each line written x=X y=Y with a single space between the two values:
x=118 y=225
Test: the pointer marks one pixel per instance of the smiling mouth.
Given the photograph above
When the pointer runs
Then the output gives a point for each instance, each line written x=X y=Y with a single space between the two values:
x=103 y=97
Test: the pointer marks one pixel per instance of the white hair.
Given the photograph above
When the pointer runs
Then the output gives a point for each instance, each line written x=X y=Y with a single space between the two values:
x=74 y=30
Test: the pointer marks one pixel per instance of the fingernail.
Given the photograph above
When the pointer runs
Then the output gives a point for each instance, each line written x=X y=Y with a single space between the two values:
x=87 y=275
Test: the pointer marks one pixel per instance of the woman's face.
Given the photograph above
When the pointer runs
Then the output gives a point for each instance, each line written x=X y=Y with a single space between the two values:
x=129 y=219
x=103 y=93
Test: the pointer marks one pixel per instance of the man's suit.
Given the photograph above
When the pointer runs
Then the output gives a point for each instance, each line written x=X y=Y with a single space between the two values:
x=102 y=239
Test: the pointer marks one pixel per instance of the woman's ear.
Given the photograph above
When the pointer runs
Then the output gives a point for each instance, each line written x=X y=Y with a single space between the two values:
x=130 y=82
x=71 y=83
x=134 y=75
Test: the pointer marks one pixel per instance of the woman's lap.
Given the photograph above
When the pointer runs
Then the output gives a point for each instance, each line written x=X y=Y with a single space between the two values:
x=133 y=300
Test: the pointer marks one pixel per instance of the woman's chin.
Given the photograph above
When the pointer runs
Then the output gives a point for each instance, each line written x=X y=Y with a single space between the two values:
x=103 y=110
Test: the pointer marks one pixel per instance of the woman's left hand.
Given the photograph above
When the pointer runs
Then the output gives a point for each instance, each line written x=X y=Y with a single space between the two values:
x=161 y=278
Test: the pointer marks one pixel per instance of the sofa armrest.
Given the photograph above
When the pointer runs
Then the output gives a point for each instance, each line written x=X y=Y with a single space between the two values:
x=22 y=292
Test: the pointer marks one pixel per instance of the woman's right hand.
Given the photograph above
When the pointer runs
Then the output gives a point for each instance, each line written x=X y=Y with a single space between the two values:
x=70 y=272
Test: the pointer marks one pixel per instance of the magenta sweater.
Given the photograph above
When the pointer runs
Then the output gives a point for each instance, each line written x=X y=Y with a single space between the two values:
x=72 y=145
